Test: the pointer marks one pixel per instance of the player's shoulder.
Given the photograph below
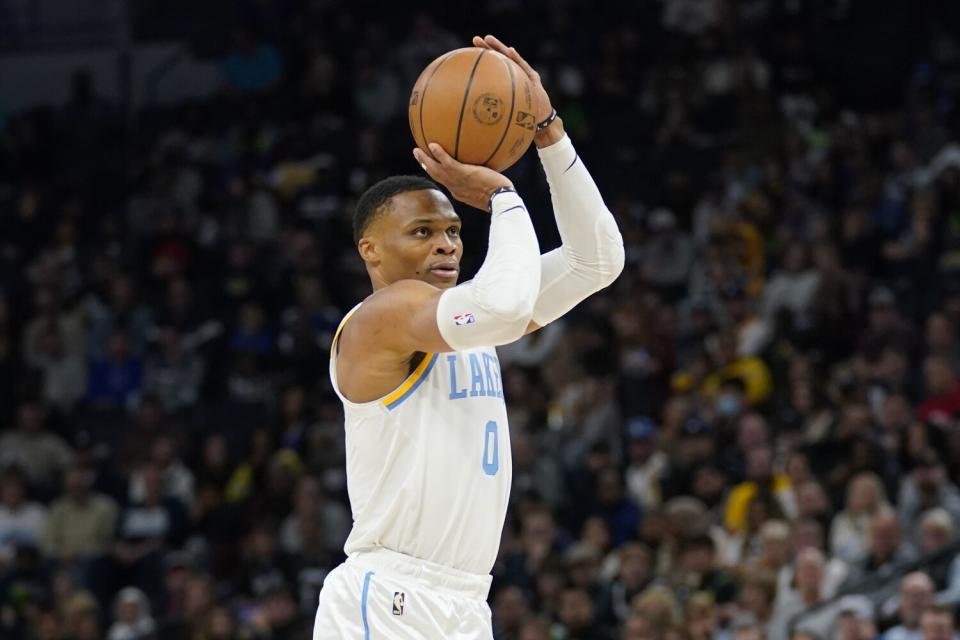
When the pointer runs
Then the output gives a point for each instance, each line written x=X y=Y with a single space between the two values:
x=385 y=309
x=397 y=293
x=390 y=304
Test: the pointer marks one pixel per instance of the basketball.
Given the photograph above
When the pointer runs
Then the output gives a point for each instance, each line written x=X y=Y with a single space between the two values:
x=477 y=104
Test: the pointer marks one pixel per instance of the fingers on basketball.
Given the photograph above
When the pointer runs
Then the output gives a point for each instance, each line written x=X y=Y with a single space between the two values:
x=492 y=42
x=428 y=164
x=443 y=158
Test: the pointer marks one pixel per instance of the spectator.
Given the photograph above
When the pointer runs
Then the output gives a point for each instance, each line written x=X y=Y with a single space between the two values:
x=762 y=485
x=793 y=287
x=252 y=66
x=697 y=570
x=927 y=487
x=131 y=613
x=312 y=507
x=147 y=528
x=616 y=509
x=120 y=314
x=176 y=478
x=42 y=454
x=634 y=574
x=936 y=535
x=64 y=371
x=940 y=338
x=646 y=464
x=115 y=379
x=774 y=552
x=512 y=609
x=538 y=540
x=916 y=595
x=667 y=255
x=265 y=567
x=806 y=593
x=21 y=522
x=942 y=401
x=658 y=606
x=535 y=475
x=82 y=616
x=174 y=374
x=888 y=551
x=937 y=623
x=81 y=525
x=534 y=629
x=809 y=534
x=577 y=617
x=855 y=619
x=849 y=532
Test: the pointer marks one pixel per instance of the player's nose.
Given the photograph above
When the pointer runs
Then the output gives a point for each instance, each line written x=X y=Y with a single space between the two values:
x=445 y=246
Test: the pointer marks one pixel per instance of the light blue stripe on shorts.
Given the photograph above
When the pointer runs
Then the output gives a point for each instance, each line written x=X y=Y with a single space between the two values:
x=363 y=604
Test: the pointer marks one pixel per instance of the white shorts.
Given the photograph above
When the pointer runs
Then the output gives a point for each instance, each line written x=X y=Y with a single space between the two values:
x=385 y=595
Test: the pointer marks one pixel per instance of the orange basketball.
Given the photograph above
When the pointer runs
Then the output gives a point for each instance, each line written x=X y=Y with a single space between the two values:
x=476 y=103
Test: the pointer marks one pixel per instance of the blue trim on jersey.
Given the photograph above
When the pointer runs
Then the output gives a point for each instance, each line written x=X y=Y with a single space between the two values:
x=363 y=604
x=426 y=372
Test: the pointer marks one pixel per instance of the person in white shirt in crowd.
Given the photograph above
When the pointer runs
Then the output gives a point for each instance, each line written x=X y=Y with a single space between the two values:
x=646 y=464
x=792 y=287
x=805 y=593
x=21 y=521
x=850 y=529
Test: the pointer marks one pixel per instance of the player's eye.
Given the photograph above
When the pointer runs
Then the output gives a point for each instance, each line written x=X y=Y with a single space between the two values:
x=454 y=231
x=421 y=232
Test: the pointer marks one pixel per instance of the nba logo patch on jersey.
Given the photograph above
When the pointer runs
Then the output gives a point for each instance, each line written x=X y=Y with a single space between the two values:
x=464 y=318
x=398 y=599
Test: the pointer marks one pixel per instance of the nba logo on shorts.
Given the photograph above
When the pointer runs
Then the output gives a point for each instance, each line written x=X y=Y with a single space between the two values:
x=464 y=318
x=398 y=599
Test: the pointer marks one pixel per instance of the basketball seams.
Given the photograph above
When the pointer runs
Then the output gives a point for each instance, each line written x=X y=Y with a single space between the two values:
x=423 y=98
x=455 y=81
x=513 y=99
x=463 y=106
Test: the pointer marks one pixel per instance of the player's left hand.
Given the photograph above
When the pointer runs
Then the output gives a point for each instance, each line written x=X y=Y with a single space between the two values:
x=540 y=97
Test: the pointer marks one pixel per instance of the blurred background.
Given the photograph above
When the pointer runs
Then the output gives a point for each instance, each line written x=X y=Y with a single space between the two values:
x=752 y=435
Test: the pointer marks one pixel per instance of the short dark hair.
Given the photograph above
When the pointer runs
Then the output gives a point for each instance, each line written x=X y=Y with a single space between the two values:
x=378 y=195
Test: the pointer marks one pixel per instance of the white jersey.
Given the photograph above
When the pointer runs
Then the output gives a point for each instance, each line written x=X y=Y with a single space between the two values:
x=429 y=465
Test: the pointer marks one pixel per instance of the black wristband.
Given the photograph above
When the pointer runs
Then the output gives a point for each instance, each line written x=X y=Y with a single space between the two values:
x=497 y=192
x=546 y=123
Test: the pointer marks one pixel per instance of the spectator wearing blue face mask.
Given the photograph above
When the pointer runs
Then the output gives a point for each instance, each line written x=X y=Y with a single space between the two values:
x=732 y=398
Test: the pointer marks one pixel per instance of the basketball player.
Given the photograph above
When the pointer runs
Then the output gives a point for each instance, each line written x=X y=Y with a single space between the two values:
x=415 y=365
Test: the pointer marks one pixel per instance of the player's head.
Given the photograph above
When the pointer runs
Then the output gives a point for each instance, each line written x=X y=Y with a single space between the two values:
x=406 y=228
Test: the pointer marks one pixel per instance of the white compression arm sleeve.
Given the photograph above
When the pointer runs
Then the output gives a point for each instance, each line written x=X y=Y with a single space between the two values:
x=495 y=307
x=591 y=256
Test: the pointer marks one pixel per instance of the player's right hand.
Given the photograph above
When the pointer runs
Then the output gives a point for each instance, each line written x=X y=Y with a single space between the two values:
x=469 y=183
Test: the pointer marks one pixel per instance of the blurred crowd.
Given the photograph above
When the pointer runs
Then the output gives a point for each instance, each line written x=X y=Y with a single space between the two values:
x=752 y=435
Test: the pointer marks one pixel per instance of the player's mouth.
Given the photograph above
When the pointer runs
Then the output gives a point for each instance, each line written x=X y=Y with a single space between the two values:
x=446 y=270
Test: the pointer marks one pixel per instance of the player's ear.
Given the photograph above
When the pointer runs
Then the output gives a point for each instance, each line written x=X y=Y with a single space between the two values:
x=369 y=250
